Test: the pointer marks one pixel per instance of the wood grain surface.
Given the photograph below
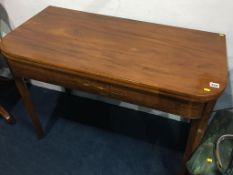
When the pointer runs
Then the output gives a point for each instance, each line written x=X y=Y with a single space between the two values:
x=146 y=56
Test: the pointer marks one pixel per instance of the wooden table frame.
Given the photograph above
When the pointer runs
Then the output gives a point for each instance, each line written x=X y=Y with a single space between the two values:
x=157 y=52
x=162 y=102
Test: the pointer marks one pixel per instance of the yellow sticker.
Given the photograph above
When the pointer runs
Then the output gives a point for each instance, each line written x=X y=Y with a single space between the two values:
x=207 y=89
x=209 y=160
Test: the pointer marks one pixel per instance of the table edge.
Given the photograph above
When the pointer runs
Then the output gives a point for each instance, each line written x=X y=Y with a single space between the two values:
x=128 y=84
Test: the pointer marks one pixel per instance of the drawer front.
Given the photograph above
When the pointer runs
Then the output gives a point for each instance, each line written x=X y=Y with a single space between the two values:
x=59 y=78
x=158 y=101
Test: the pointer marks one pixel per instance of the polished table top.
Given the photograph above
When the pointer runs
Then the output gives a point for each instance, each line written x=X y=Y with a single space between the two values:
x=152 y=57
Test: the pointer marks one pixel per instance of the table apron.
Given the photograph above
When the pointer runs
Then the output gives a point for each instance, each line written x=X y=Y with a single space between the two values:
x=159 y=101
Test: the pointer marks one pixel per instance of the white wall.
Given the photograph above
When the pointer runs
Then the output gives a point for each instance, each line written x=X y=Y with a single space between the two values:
x=208 y=15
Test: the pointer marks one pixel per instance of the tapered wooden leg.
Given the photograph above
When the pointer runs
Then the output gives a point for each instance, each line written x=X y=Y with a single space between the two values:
x=197 y=130
x=6 y=115
x=30 y=107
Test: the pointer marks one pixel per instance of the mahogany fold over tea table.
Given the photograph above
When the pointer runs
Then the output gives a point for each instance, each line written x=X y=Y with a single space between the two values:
x=176 y=70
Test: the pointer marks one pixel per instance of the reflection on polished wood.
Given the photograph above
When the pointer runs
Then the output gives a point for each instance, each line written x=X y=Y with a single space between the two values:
x=158 y=66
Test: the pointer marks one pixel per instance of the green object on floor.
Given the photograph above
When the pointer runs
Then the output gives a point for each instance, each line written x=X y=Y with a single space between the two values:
x=204 y=160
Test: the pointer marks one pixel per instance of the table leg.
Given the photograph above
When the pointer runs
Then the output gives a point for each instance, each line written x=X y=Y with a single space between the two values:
x=197 y=130
x=6 y=115
x=30 y=107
